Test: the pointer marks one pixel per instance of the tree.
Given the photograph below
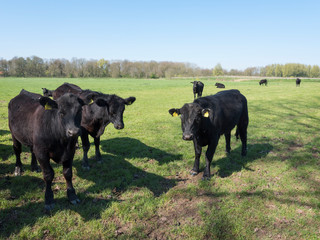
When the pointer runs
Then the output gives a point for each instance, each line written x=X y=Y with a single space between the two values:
x=218 y=71
x=315 y=71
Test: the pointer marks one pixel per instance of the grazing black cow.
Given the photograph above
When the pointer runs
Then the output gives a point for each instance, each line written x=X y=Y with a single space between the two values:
x=263 y=81
x=197 y=89
x=298 y=81
x=220 y=85
x=207 y=118
x=104 y=109
x=50 y=128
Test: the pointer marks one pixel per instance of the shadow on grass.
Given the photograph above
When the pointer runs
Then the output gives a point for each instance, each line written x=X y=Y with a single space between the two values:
x=5 y=150
x=117 y=174
x=133 y=148
x=111 y=177
x=234 y=162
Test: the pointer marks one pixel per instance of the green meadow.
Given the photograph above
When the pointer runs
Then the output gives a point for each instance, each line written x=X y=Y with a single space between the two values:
x=143 y=189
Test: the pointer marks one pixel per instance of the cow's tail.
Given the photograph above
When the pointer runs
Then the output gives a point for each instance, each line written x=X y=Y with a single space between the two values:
x=237 y=133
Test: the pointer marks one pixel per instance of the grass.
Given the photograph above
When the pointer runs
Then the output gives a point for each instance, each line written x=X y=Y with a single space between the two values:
x=143 y=189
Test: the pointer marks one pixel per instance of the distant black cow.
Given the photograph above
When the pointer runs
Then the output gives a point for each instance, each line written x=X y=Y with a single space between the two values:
x=197 y=88
x=50 y=128
x=104 y=109
x=298 y=81
x=204 y=120
x=263 y=81
x=220 y=85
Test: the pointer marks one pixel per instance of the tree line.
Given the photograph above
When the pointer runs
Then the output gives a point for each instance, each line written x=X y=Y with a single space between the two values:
x=273 y=70
x=78 y=67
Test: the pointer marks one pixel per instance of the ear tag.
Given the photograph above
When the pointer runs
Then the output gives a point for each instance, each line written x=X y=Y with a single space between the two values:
x=206 y=114
x=175 y=114
x=129 y=103
x=47 y=107
x=91 y=102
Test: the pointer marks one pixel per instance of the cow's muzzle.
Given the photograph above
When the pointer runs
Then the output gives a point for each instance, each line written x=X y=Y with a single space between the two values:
x=118 y=126
x=187 y=137
x=73 y=132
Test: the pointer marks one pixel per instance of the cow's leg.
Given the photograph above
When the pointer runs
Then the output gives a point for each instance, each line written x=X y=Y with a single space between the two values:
x=243 y=136
x=48 y=175
x=197 y=151
x=194 y=95
x=34 y=165
x=97 y=145
x=85 y=147
x=209 y=155
x=17 y=152
x=227 y=137
x=67 y=173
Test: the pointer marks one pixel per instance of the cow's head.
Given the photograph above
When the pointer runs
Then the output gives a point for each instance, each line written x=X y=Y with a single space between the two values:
x=106 y=108
x=67 y=110
x=116 y=109
x=47 y=92
x=191 y=115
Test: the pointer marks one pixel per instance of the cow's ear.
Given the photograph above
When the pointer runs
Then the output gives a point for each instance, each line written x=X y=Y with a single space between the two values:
x=129 y=100
x=48 y=103
x=82 y=103
x=89 y=98
x=174 y=112
x=101 y=102
x=206 y=112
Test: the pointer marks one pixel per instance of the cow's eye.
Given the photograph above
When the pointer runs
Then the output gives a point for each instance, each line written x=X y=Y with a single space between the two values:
x=62 y=114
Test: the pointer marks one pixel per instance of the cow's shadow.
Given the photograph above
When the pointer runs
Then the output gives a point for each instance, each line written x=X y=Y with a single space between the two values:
x=134 y=148
x=116 y=174
x=5 y=150
x=234 y=162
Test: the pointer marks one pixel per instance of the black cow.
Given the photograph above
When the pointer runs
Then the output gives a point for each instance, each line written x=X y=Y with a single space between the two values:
x=220 y=85
x=298 y=81
x=50 y=128
x=197 y=89
x=104 y=109
x=64 y=88
x=263 y=81
x=207 y=118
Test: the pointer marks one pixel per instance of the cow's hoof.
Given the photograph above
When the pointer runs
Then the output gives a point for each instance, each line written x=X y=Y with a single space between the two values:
x=35 y=168
x=49 y=207
x=71 y=193
x=86 y=167
x=206 y=178
x=75 y=202
x=193 y=173
x=18 y=171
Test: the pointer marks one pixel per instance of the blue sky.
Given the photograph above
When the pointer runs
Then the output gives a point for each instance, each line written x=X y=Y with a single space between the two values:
x=236 y=34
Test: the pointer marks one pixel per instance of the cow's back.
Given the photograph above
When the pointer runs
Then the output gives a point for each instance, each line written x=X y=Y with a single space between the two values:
x=22 y=115
x=228 y=107
x=66 y=88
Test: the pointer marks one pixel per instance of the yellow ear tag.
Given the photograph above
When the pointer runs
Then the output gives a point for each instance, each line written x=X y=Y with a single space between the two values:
x=47 y=107
x=206 y=114
x=129 y=103
x=91 y=101
x=175 y=114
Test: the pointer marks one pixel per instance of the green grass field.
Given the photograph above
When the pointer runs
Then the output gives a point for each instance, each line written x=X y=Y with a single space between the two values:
x=143 y=190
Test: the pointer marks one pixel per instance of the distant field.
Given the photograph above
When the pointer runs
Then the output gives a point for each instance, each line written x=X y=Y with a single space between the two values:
x=143 y=190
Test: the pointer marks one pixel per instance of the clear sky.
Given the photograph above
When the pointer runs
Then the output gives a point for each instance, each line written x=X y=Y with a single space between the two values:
x=237 y=34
